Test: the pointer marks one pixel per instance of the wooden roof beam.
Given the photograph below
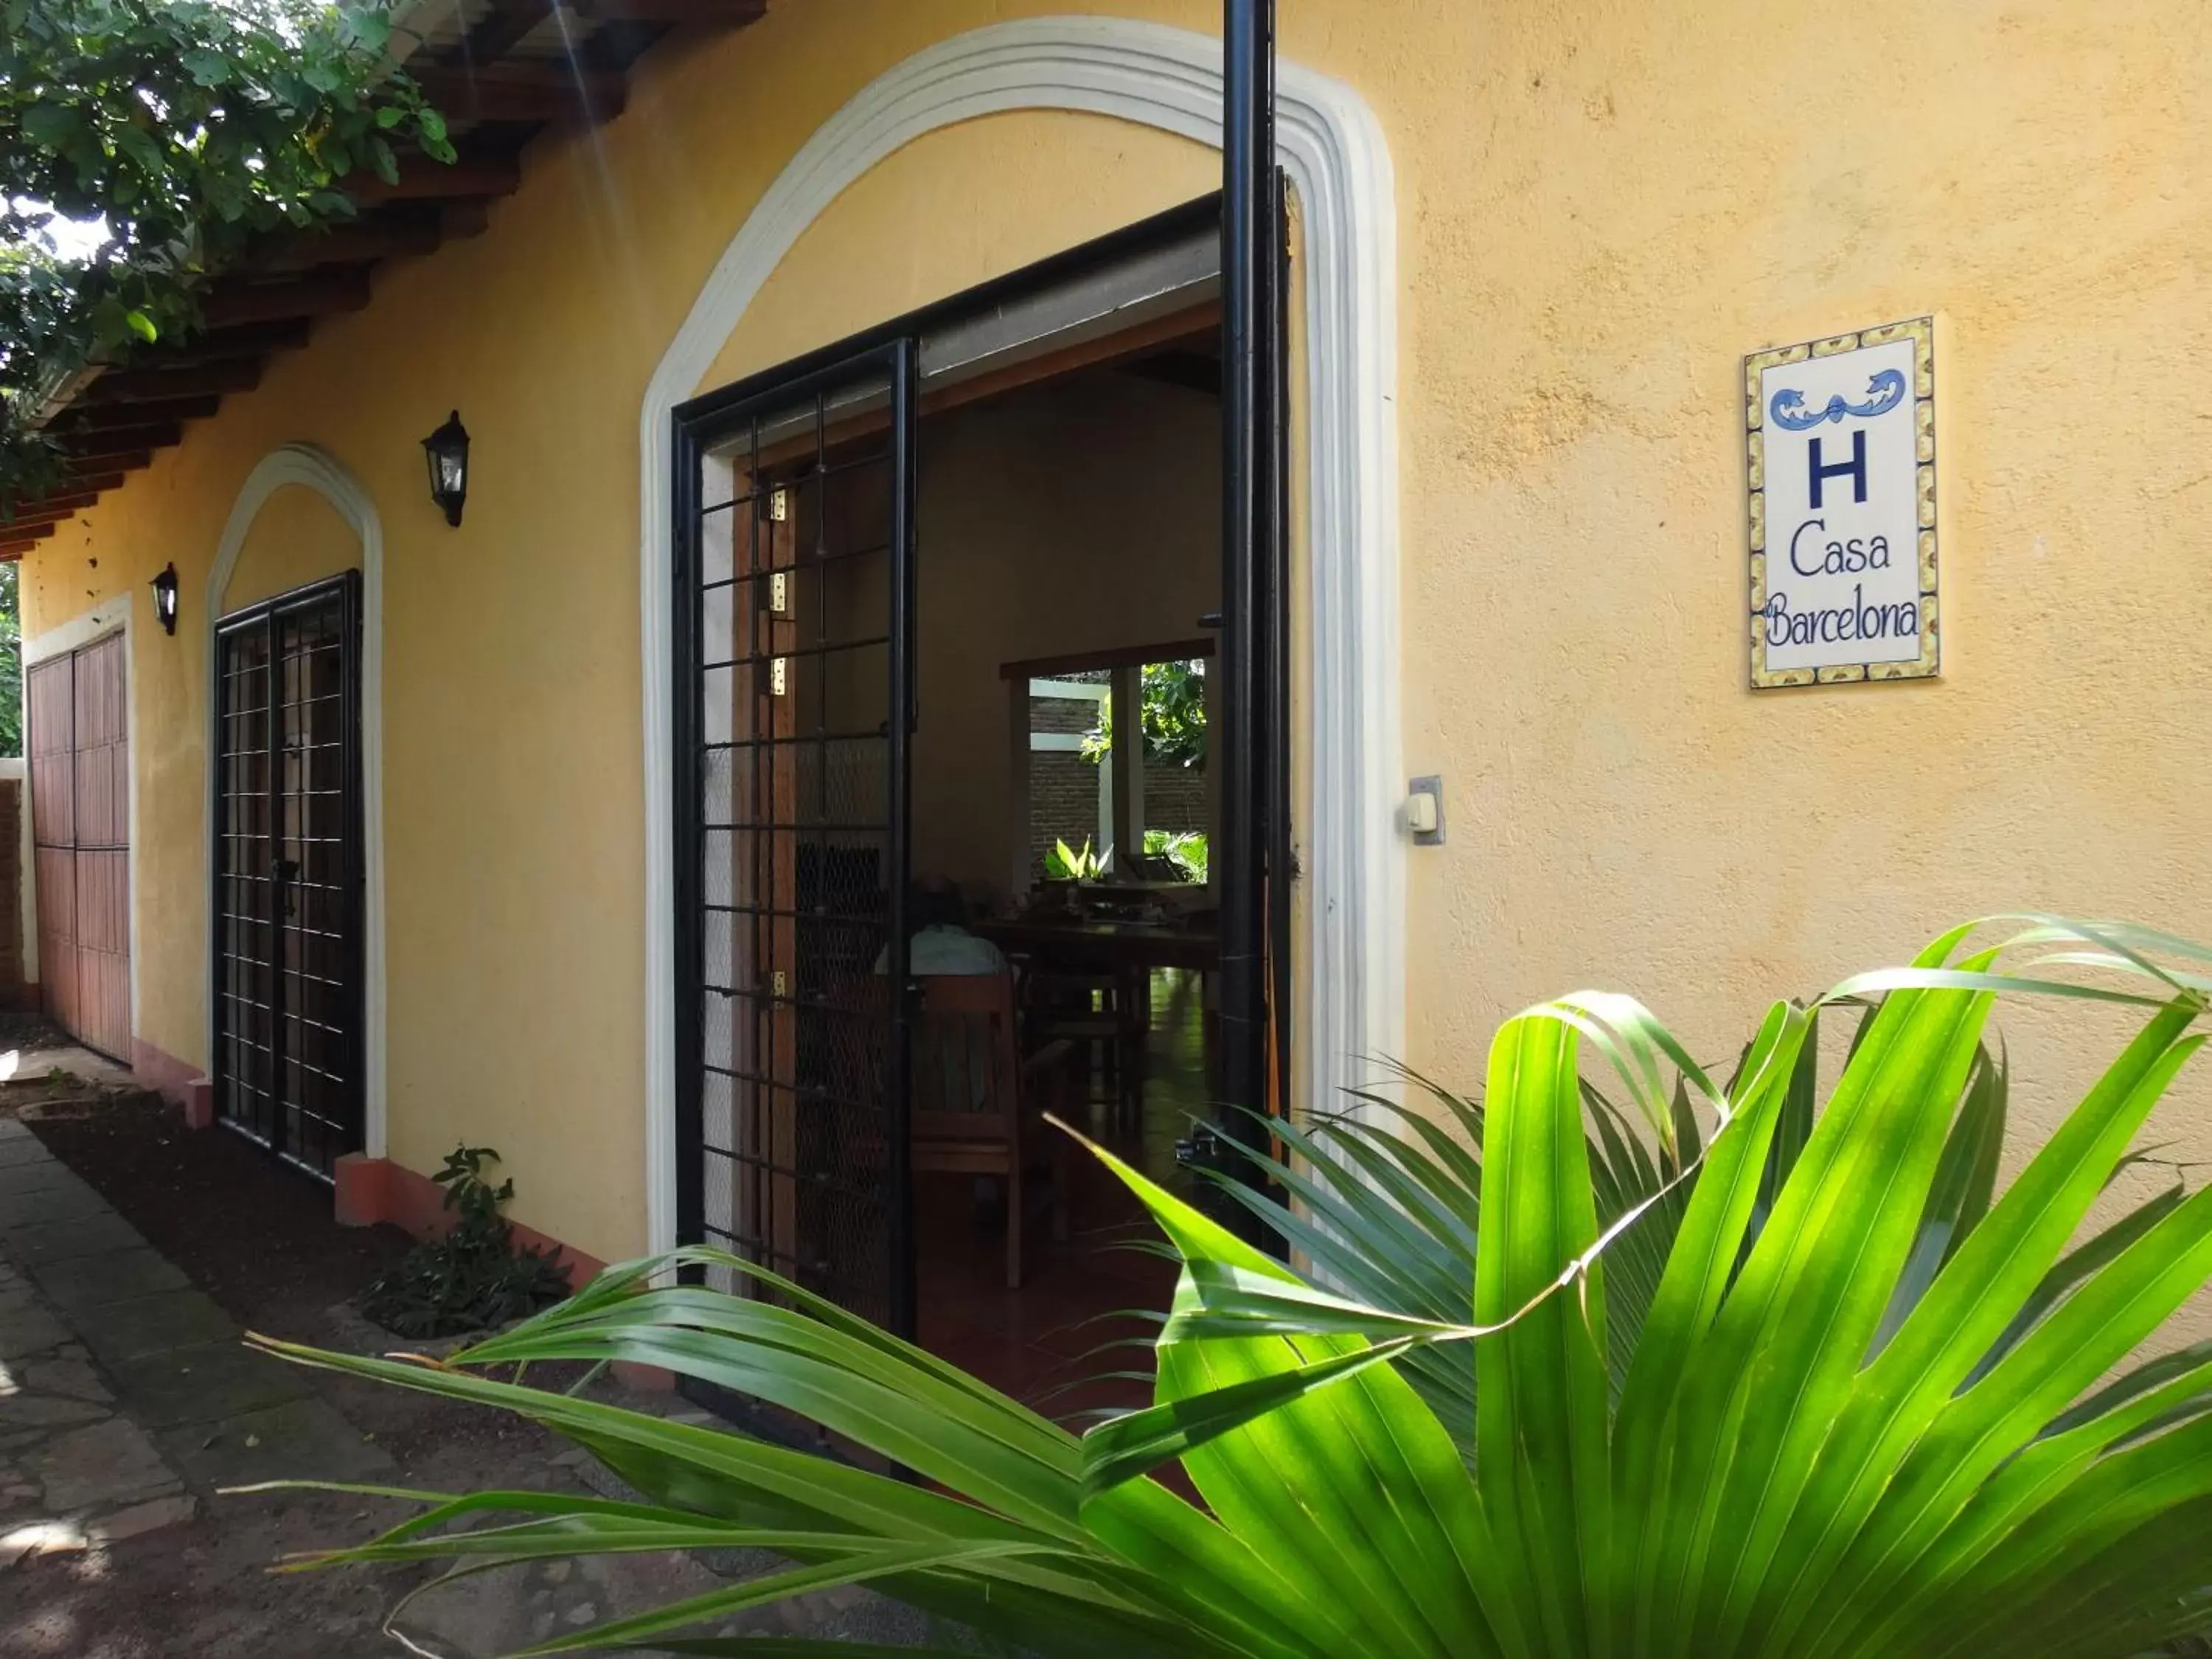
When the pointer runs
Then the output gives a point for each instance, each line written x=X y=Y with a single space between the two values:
x=485 y=172
x=325 y=293
x=500 y=31
x=29 y=523
x=401 y=232
x=118 y=461
x=550 y=91
x=14 y=546
x=226 y=345
x=735 y=13
x=88 y=485
x=154 y=384
x=94 y=416
x=461 y=220
x=83 y=494
x=122 y=440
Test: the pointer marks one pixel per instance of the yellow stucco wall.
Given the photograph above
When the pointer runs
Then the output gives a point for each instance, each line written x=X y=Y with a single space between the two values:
x=296 y=538
x=1600 y=211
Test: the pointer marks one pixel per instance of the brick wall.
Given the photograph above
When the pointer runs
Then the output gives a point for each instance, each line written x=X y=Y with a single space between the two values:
x=1063 y=801
x=1062 y=714
x=1175 y=796
x=1064 y=787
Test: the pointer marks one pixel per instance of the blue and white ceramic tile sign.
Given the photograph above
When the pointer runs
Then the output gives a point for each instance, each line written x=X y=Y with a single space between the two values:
x=1841 y=463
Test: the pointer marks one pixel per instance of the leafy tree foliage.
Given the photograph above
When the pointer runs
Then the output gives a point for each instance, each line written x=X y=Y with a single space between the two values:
x=1173 y=715
x=11 y=662
x=145 y=143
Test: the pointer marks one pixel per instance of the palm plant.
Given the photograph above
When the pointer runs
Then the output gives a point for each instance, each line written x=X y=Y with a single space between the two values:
x=1064 y=863
x=1386 y=1201
x=1839 y=1427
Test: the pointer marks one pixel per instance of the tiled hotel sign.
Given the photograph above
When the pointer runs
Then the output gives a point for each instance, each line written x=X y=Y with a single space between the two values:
x=1842 y=473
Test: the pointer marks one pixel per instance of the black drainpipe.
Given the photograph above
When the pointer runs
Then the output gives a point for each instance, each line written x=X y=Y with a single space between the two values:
x=1252 y=430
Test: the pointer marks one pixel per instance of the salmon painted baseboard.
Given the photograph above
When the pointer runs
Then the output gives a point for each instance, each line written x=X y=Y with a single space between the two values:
x=375 y=1189
x=163 y=1072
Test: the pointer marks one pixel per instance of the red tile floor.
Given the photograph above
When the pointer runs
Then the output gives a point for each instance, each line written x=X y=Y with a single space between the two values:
x=1042 y=1343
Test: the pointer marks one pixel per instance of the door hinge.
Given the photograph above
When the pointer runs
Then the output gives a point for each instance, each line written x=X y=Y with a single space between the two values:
x=778 y=593
x=775 y=984
x=779 y=676
x=779 y=505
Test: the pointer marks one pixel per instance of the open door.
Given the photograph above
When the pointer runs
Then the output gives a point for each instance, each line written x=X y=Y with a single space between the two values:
x=793 y=705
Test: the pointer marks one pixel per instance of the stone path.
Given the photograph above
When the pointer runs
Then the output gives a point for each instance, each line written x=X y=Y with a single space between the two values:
x=127 y=1401
x=125 y=1396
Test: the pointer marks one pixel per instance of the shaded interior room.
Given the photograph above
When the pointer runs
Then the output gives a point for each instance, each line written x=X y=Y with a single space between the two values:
x=1050 y=640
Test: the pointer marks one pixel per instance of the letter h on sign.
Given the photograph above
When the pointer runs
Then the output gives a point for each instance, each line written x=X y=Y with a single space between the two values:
x=1856 y=467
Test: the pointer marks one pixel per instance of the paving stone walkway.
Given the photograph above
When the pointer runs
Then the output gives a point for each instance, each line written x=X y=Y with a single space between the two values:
x=126 y=1398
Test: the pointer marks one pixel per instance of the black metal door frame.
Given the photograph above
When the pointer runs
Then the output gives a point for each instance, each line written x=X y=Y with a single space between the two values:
x=1252 y=740
x=285 y=933
x=807 y=1060
x=1255 y=604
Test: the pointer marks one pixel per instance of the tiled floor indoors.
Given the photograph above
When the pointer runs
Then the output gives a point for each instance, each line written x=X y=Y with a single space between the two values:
x=1039 y=1343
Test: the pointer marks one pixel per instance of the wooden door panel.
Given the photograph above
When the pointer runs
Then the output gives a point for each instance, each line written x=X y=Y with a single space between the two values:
x=50 y=694
x=103 y=787
x=103 y=921
x=55 y=879
x=79 y=712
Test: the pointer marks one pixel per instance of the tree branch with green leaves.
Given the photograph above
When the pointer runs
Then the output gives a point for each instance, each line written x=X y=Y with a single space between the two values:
x=1172 y=716
x=145 y=145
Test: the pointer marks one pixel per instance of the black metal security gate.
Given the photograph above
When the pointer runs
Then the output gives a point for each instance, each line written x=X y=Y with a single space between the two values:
x=793 y=704
x=288 y=873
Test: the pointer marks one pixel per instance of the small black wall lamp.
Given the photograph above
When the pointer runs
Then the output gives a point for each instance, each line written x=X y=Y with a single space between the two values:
x=165 y=599
x=447 y=451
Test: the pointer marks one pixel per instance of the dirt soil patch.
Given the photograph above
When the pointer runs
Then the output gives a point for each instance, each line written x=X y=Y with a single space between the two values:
x=256 y=1235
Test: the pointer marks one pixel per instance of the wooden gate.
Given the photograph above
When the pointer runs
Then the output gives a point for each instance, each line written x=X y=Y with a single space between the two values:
x=80 y=756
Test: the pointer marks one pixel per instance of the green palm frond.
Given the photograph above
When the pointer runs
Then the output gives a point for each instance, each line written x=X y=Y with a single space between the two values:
x=1720 y=1371
x=1328 y=1192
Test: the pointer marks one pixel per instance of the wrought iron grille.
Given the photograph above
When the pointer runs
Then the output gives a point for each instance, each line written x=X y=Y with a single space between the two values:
x=288 y=874
x=793 y=610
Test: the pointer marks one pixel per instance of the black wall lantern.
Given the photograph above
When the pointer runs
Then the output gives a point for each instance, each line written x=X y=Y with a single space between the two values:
x=165 y=599
x=447 y=451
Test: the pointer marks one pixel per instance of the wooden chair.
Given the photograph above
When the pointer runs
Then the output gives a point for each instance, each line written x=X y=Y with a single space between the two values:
x=977 y=1107
x=1102 y=1013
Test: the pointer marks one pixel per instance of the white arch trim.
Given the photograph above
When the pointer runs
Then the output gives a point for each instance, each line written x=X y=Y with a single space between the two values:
x=1352 y=948
x=317 y=470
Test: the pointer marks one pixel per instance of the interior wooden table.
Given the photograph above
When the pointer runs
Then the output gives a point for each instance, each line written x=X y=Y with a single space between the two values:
x=1081 y=943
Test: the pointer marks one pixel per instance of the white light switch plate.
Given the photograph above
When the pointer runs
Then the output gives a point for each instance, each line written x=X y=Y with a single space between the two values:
x=1425 y=810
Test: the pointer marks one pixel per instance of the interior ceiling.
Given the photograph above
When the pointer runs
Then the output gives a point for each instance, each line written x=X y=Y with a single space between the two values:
x=1193 y=364
x=502 y=72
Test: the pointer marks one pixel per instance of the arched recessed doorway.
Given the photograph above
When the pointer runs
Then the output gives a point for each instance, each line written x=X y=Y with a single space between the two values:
x=294 y=872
